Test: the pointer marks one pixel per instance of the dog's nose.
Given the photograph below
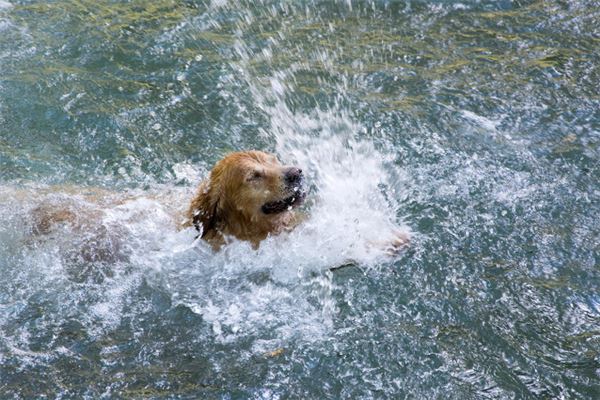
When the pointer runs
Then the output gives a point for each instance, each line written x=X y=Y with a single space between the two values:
x=293 y=176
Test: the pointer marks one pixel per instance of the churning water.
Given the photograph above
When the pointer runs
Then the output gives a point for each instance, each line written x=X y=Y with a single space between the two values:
x=475 y=125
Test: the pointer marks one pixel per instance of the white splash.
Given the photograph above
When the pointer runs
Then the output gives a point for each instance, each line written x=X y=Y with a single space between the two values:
x=280 y=292
x=283 y=290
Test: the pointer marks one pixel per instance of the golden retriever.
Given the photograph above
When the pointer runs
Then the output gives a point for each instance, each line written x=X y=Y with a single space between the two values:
x=248 y=195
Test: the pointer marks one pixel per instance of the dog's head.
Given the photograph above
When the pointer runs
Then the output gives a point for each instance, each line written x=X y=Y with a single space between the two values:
x=246 y=189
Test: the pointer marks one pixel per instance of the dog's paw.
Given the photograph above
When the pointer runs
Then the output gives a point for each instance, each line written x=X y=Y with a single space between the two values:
x=397 y=243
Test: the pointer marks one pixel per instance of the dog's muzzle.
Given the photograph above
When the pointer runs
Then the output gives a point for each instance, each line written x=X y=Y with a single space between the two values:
x=293 y=180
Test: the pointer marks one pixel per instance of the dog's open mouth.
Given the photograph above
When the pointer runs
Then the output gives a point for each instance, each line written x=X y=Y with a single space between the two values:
x=278 y=206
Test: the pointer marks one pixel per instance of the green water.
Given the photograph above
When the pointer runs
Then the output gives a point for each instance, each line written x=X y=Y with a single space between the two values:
x=474 y=124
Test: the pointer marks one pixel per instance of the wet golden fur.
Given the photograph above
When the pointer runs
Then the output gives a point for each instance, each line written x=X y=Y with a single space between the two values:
x=229 y=203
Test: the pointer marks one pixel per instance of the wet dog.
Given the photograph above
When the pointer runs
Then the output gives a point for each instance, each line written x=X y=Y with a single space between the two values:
x=247 y=196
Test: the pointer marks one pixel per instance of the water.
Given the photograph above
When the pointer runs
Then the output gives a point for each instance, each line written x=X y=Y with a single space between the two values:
x=475 y=125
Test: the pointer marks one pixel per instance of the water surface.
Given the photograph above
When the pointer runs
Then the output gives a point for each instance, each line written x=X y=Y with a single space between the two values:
x=474 y=124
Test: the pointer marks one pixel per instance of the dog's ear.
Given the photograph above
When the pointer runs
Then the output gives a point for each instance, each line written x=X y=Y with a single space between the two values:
x=204 y=210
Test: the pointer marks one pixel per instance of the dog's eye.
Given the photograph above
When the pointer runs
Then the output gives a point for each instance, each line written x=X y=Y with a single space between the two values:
x=255 y=176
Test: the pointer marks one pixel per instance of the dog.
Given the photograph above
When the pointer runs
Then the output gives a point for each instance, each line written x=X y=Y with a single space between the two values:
x=248 y=195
